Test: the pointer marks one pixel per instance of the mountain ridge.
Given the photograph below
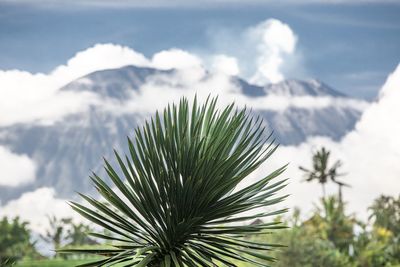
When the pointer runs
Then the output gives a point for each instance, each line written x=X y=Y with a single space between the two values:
x=136 y=76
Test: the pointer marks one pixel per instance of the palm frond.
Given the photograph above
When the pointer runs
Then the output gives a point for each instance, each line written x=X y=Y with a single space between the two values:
x=177 y=202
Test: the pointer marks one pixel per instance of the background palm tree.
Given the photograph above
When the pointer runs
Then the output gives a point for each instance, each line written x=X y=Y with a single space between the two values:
x=77 y=235
x=56 y=232
x=322 y=172
x=178 y=203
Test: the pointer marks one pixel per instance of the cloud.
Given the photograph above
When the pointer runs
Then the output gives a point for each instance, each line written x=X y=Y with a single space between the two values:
x=281 y=103
x=175 y=59
x=27 y=97
x=162 y=89
x=274 y=40
x=98 y=57
x=35 y=206
x=266 y=52
x=370 y=154
x=226 y=65
x=16 y=169
x=375 y=144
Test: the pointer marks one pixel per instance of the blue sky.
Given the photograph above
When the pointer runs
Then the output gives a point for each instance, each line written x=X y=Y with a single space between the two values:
x=352 y=45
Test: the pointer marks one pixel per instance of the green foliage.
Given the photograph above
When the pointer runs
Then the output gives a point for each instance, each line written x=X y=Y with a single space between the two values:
x=376 y=248
x=327 y=238
x=312 y=242
x=307 y=246
x=15 y=241
x=177 y=200
x=386 y=213
x=331 y=223
x=77 y=235
x=308 y=249
x=315 y=241
x=63 y=232
x=50 y=263
x=381 y=245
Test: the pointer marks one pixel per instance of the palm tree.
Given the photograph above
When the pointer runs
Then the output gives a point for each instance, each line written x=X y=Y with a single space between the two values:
x=77 y=235
x=179 y=203
x=57 y=231
x=322 y=172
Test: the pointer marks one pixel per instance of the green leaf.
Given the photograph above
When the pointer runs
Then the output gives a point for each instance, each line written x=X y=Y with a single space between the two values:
x=174 y=200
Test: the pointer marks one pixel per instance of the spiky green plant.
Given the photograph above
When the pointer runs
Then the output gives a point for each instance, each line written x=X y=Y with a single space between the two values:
x=178 y=202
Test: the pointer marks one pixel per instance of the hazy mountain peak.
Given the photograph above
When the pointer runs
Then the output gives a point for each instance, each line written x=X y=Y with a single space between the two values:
x=116 y=83
x=294 y=87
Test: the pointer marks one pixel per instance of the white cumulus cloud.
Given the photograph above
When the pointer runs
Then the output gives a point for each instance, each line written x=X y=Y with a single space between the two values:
x=266 y=52
x=98 y=57
x=16 y=169
x=274 y=40
x=175 y=59
x=35 y=206
x=225 y=64
x=370 y=154
x=27 y=97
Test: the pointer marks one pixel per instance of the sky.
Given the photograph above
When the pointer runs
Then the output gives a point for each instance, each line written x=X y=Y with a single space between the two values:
x=350 y=45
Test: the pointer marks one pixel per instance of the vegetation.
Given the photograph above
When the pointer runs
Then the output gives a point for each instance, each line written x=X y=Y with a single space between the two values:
x=58 y=262
x=177 y=206
x=15 y=242
x=329 y=237
x=326 y=238
x=178 y=203
x=55 y=234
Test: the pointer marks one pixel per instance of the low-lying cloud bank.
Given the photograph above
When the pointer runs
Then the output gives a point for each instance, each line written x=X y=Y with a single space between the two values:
x=161 y=89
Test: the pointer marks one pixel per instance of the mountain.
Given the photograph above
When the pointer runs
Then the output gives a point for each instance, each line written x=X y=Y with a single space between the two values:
x=301 y=88
x=68 y=150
